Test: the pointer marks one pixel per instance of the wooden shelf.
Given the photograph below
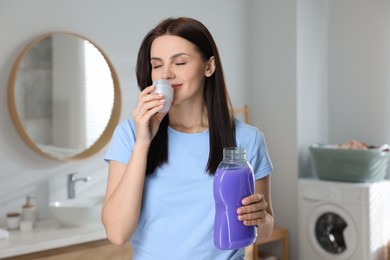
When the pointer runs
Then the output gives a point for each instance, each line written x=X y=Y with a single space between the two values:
x=278 y=234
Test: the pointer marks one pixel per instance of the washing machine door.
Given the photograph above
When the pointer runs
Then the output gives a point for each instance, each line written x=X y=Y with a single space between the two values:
x=333 y=233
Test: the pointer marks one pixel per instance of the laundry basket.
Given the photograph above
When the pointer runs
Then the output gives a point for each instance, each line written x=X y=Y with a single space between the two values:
x=332 y=163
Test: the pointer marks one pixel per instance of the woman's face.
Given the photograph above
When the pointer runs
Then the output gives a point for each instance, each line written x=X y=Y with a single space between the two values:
x=178 y=60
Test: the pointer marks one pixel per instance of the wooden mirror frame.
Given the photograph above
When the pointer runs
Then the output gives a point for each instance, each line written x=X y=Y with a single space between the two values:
x=108 y=131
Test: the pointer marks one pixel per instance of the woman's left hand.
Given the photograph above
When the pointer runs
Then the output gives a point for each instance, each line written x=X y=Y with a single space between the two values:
x=253 y=212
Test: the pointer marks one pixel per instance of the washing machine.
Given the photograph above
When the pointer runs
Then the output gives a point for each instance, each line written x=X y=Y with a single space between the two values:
x=343 y=221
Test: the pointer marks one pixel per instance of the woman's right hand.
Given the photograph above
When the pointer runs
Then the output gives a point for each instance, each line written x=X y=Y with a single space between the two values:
x=146 y=116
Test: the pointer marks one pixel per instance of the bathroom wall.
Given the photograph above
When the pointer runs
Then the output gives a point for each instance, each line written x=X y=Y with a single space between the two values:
x=359 y=66
x=272 y=45
x=312 y=79
x=118 y=28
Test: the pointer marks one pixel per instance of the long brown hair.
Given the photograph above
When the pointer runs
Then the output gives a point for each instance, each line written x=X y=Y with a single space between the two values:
x=219 y=108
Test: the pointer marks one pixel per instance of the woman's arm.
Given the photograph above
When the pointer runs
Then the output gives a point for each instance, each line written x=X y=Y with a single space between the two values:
x=257 y=209
x=122 y=204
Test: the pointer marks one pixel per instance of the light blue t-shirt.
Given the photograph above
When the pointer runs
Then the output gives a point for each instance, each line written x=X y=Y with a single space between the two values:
x=177 y=214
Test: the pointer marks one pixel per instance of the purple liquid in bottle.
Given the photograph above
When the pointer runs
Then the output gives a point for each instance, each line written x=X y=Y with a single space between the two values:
x=233 y=181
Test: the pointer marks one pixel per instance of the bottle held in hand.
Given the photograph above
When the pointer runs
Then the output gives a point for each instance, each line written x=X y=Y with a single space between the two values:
x=233 y=181
x=164 y=87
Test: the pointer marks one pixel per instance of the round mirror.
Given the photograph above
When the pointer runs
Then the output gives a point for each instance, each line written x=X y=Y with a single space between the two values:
x=64 y=96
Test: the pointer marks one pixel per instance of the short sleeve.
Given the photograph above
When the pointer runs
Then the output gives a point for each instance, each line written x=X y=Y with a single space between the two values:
x=253 y=140
x=122 y=143
x=259 y=158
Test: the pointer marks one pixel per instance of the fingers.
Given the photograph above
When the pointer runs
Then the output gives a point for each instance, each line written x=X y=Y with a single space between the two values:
x=253 y=219
x=256 y=197
x=253 y=211
x=148 y=104
x=146 y=116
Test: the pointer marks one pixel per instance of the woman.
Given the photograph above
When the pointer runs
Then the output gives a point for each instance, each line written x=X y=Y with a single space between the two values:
x=161 y=164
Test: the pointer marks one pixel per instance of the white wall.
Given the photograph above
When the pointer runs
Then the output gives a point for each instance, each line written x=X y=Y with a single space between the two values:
x=312 y=84
x=118 y=28
x=312 y=79
x=272 y=98
x=359 y=71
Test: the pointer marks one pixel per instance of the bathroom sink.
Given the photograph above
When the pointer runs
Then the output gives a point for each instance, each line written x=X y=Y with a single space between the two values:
x=77 y=212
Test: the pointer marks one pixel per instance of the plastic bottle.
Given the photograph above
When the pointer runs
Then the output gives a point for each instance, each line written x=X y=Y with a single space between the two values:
x=233 y=181
x=29 y=210
x=164 y=87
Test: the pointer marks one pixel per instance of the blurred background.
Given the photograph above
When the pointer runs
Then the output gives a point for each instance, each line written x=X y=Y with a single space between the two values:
x=309 y=70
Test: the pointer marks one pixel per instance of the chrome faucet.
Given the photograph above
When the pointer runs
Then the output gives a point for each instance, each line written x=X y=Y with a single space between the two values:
x=72 y=183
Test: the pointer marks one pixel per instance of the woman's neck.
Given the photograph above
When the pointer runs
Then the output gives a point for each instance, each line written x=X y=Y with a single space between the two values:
x=189 y=119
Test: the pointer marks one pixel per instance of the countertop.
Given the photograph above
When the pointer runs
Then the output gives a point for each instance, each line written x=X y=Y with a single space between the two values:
x=48 y=235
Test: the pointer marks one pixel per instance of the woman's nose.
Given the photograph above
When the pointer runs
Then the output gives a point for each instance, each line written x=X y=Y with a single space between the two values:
x=167 y=73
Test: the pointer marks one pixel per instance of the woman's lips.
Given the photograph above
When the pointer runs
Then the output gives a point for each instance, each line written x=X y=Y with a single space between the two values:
x=176 y=86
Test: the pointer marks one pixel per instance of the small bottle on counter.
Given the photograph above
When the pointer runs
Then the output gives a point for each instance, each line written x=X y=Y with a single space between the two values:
x=29 y=210
x=13 y=220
